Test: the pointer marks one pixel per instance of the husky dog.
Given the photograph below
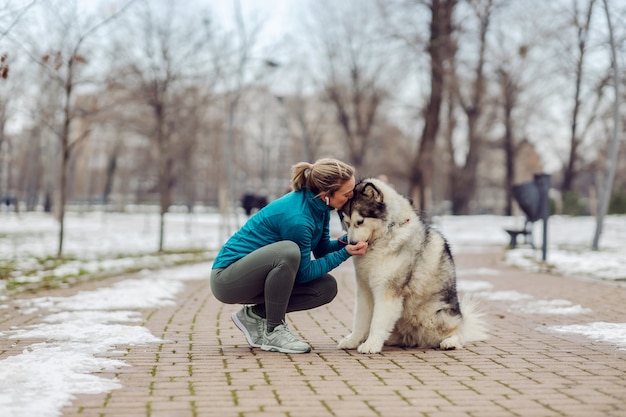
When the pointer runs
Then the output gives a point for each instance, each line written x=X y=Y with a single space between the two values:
x=406 y=281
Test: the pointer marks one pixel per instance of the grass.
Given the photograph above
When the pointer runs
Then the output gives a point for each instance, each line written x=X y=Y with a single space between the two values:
x=32 y=274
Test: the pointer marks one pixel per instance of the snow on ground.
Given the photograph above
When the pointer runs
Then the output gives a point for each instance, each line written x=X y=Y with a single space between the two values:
x=82 y=333
x=519 y=302
x=614 y=333
x=568 y=249
x=93 y=234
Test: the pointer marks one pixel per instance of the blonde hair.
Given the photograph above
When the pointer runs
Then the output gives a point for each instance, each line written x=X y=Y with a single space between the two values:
x=325 y=175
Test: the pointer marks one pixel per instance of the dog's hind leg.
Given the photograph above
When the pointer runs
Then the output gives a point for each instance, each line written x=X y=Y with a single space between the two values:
x=362 y=317
x=387 y=310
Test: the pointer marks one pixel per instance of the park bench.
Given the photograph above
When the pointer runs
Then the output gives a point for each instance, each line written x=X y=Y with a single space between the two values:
x=532 y=198
x=526 y=232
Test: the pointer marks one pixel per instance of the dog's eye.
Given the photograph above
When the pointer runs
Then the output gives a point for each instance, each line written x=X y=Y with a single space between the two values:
x=359 y=222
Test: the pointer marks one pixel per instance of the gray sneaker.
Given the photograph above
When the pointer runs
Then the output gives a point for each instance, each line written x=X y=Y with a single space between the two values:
x=282 y=340
x=251 y=324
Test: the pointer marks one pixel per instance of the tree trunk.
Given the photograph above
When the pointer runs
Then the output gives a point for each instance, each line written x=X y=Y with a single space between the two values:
x=570 y=171
x=164 y=169
x=509 y=152
x=110 y=173
x=464 y=178
x=440 y=49
x=509 y=93
x=614 y=148
x=65 y=154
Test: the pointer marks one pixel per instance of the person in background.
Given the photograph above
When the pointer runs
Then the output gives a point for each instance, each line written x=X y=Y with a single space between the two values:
x=267 y=265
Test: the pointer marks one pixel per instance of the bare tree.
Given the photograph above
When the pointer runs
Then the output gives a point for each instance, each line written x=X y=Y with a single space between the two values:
x=15 y=16
x=168 y=56
x=311 y=132
x=189 y=130
x=510 y=92
x=355 y=70
x=4 y=146
x=582 y=33
x=237 y=69
x=464 y=175
x=615 y=143
x=441 y=49
x=302 y=110
x=515 y=45
x=403 y=22
x=63 y=65
x=9 y=18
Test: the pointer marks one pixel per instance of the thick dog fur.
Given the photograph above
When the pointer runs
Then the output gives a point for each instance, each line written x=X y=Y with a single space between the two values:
x=406 y=282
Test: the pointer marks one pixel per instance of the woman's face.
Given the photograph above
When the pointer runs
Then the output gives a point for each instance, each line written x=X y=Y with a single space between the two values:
x=342 y=195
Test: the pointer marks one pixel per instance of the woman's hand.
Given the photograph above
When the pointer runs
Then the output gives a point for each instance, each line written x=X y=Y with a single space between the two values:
x=357 y=249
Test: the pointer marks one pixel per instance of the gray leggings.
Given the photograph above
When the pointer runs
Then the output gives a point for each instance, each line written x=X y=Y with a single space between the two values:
x=266 y=277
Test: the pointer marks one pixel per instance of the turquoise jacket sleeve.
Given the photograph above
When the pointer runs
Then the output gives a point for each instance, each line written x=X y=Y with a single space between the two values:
x=326 y=245
x=325 y=260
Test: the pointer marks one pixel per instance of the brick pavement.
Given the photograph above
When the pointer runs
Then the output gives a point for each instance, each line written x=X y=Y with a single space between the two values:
x=205 y=368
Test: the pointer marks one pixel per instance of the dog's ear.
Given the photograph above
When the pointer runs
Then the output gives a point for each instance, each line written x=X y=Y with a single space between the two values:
x=370 y=191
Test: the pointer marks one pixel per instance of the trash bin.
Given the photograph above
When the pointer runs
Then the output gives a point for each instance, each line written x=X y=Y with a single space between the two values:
x=528 y=197
x=532 y=197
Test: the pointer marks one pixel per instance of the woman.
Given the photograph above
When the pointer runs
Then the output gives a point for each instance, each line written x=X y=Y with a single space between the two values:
x=267 y=264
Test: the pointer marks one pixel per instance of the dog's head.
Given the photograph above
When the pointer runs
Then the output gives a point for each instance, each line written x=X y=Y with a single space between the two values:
x=364 y=216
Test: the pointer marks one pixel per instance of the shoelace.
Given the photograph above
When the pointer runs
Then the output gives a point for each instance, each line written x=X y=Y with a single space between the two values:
x=259 y=326
x=288 y=334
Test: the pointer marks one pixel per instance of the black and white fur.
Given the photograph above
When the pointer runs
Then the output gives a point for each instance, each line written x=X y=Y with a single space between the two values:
x=406 y=281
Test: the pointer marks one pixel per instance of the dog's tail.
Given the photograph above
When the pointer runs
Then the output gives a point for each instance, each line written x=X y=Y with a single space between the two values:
x=474 y=328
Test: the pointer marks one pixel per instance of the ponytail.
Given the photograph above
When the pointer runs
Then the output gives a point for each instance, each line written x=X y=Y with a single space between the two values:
x=325 y=175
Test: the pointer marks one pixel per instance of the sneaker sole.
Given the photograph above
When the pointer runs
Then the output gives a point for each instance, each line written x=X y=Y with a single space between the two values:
x=282 y=350
x=243 y=329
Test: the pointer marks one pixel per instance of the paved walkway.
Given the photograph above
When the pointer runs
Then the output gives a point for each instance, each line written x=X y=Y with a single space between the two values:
x=206 y=368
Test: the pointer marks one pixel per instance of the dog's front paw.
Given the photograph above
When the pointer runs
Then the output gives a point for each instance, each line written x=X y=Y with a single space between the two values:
x=370 y=346
x=452 y=342
x=349 y=342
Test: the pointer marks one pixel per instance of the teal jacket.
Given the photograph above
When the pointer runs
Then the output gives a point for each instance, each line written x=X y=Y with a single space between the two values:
x=298 y=216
